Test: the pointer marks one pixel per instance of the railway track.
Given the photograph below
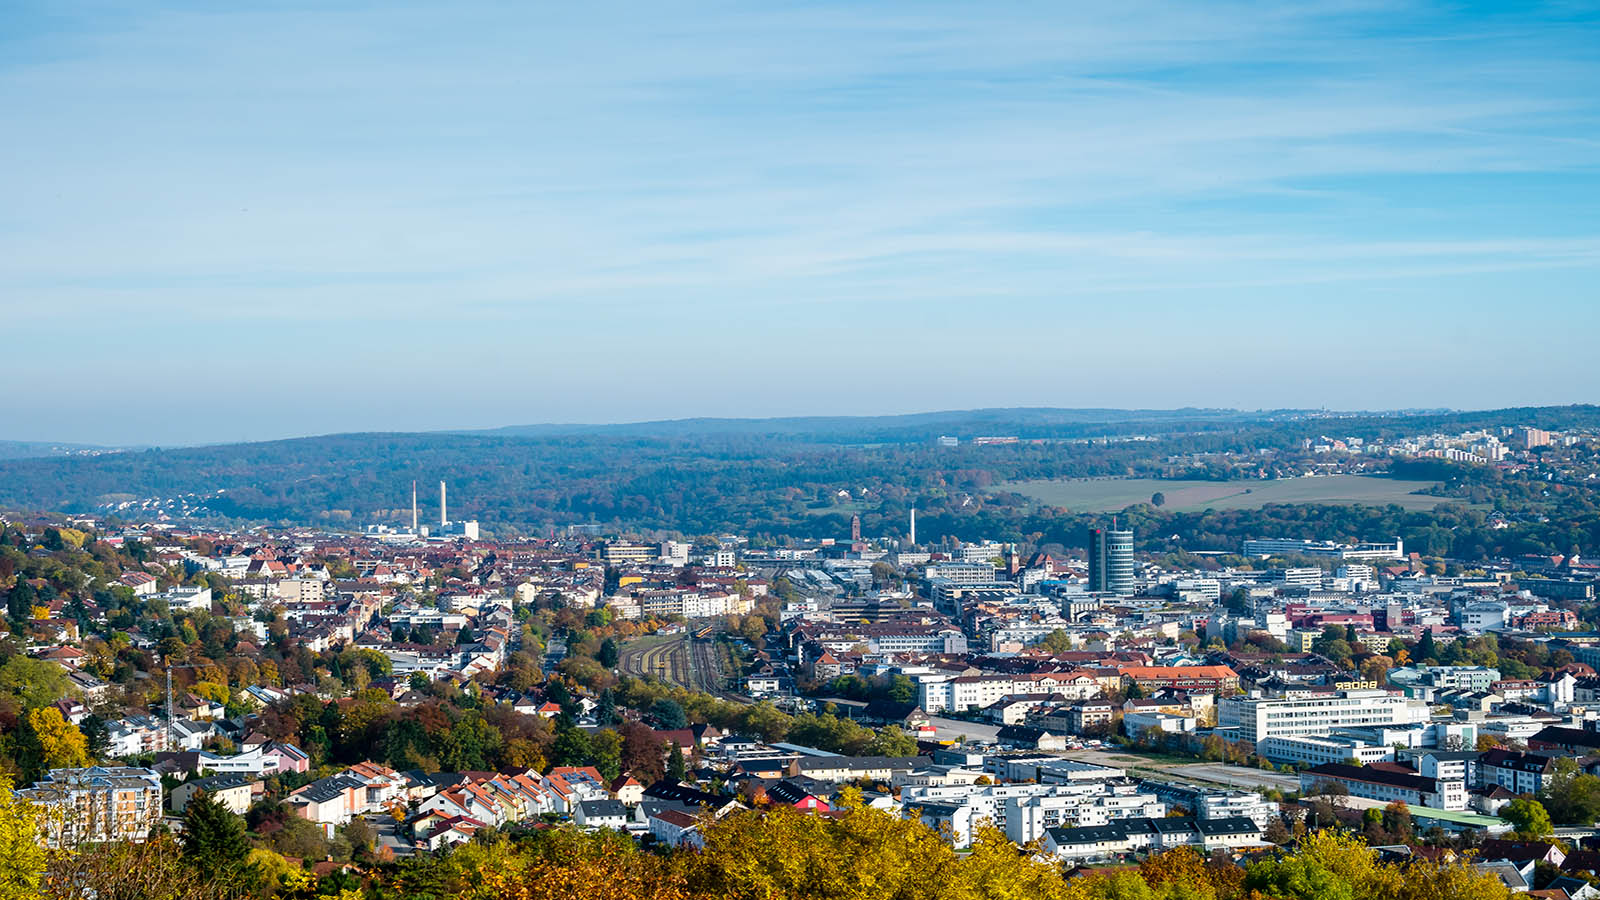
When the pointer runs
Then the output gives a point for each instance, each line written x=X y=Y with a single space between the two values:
x=689 y=662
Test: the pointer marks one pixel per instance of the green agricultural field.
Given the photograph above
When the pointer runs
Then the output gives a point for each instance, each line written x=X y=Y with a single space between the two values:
x=1113 y=494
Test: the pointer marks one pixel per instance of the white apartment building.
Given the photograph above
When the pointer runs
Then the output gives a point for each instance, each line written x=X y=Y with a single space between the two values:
x=187 y=598
x=100 y=803
x=1232 y=804
x=1259 y=718
x=970 y=692
x=1023 y=811
x=1077 y=805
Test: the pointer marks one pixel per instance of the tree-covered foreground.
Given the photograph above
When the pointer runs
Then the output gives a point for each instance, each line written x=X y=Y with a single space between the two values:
x=858 y=853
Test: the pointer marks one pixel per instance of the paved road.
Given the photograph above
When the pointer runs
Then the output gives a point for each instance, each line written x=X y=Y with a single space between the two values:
x=389 y=835
x=554 y=653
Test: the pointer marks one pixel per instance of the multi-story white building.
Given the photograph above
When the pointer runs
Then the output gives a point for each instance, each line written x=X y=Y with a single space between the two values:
x=1233 y=804
x=1314 y=751
x=118 y=803
x=1307 y=576
x=970 y=692
x=1519 y=773
x=1460 y=678
x=1485 y=616
x=1280 y=546
x=1259 y=718
x=1023 y=811
x=1386 y=786
x=187 y=598
x=1201 y=590
x=675 y=553
x=961 y=572
x=1152 y=836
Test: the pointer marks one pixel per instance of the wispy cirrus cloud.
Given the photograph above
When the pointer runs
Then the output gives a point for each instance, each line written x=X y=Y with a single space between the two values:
x=336 y=167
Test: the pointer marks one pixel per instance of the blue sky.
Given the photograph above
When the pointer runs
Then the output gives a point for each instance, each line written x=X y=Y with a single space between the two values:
x=237 y=221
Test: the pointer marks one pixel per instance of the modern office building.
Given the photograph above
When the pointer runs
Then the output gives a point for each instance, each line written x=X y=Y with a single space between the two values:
x=1375 y=550
x=1260 y=718
x=1111 y=561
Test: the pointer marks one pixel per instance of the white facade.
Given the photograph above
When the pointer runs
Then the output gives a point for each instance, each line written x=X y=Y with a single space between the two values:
x=1318 y=750
x=1024 y=811
x=1248 y=804
x=1260 y=718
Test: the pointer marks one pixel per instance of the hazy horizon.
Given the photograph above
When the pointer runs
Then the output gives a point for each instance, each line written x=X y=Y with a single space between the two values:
x=494 y=428
x=252 y=222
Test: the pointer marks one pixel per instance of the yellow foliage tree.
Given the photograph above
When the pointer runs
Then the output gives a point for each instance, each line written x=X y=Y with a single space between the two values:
x=573 y=866
x=60 y=743
x=211 y=690
x=22 y=857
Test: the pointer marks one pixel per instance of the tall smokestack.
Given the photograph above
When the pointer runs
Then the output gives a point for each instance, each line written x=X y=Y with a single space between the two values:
x=913 y=526
x=414 y=508
x=443 y=521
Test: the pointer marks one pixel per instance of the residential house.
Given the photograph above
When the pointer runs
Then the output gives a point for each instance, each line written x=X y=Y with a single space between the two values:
x=235 y=792
x=601 y=813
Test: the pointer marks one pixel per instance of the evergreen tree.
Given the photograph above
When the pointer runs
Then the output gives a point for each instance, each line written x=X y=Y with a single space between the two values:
x=1425 y=648
x=677 y=768
x=669 y=714
x=609 y=653
x=213 y=837
x=606 y=712
x=19 y=603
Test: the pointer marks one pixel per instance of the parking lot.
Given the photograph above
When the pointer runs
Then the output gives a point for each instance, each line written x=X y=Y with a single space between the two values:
x=1241 y=777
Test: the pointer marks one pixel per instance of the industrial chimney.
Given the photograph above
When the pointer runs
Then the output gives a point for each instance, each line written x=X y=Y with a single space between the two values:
x=913 y=526
x=443 y=520
x=414 y=508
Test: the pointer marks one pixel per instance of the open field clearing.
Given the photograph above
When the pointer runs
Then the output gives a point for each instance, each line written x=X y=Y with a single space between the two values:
x=1113 y=494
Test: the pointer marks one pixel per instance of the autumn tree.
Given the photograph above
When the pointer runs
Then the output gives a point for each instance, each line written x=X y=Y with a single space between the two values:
x=1397 y=821
x=22 y=857
x=49 y=741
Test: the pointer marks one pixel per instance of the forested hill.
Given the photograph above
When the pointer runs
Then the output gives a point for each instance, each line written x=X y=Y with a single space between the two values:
x=757 y=477
x=1019 y=422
